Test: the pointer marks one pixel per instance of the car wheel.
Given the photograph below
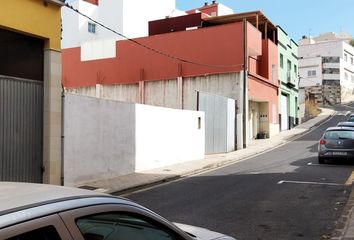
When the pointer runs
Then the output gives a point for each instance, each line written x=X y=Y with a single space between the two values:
x=321 y=160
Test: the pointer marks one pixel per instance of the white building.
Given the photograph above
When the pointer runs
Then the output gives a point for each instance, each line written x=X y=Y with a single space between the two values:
x=326 y=68
x=128 y=17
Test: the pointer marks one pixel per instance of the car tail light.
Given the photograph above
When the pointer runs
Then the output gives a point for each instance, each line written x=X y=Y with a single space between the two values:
x=323 y=142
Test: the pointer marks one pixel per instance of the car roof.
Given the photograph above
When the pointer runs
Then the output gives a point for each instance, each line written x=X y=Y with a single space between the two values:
x=346 y=123
x=340 y=129
x=20 y=202
x=19 y=195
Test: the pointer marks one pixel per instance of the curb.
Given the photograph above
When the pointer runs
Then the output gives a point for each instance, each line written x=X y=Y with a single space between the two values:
x=343 y=224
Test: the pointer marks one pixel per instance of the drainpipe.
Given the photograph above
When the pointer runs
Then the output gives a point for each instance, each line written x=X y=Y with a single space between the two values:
x=62 y=135
x=245 y=77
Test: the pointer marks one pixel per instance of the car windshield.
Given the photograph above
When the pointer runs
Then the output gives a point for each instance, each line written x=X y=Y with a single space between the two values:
x=339 y=135
x=351 y=119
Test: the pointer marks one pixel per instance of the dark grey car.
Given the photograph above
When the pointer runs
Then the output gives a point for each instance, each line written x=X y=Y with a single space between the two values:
x=336 y=143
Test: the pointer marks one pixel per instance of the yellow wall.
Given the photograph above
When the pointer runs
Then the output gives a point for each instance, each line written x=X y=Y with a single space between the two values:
x=32 y=17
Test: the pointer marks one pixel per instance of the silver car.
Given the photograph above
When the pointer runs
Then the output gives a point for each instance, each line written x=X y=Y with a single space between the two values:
x=336 y=143
x=46 y=212
x=345 y=124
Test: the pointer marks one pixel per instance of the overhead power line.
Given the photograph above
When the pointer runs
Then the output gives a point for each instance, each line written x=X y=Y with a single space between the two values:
x=148 y=47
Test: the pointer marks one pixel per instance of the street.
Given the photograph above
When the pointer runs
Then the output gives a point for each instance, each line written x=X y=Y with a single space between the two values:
x=281 y=194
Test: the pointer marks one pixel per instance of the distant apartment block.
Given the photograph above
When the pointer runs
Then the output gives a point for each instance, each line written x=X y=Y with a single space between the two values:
x=326 y=67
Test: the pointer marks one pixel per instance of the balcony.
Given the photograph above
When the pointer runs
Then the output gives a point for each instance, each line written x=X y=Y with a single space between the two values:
x=291 y=79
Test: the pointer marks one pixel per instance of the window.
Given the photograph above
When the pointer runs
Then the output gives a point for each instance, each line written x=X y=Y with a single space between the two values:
x=273 y=73
x=311 y=73
x=289 y=65
x=335 y=135
x=351 y=61
x=346 y=76
x=91 y=27
x=295 y=69
x=281 y=61
x=46 y=233
x=345 y=57
x=330 y=59
x=122 y=226
x=330 y=71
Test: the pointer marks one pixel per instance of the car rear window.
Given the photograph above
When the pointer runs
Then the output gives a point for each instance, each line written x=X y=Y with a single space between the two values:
x=339 y=135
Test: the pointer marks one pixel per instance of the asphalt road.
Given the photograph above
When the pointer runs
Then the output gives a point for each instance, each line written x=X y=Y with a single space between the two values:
x=282 y=194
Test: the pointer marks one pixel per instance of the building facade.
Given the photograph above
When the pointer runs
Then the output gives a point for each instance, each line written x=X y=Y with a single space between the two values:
x=326 y=69
x=30 y=91
x=237 y=59
x=288 y=81
x=128 y=17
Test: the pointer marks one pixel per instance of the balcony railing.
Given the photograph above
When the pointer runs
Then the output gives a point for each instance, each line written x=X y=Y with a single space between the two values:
x=291 y=79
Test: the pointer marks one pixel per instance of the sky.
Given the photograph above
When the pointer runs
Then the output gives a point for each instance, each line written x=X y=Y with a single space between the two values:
x=296 y=17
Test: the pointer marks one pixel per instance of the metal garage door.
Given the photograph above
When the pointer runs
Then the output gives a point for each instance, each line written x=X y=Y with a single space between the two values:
x=21 y=129
x=284 y=113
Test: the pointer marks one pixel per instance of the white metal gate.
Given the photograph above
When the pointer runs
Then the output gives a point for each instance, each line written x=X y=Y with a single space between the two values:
x=220 y=122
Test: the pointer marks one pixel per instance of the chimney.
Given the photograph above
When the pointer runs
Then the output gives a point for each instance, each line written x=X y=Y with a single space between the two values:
x=206 y=4
x=214 y=1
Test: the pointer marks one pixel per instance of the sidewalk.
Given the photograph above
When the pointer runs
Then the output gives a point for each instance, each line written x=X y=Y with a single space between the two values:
x=144 y=179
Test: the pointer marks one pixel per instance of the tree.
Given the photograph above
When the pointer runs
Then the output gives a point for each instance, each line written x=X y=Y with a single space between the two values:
x=352 y=42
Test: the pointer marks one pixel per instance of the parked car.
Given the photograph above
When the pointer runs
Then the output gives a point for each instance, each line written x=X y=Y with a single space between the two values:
x=336 y=143
x=45 y=212
x=345 y=124
x=350 y=118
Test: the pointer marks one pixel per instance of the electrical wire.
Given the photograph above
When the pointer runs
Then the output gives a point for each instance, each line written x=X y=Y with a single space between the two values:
x=148 y=47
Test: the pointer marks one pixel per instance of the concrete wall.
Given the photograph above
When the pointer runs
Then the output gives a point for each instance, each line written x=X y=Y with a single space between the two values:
x=167 y=93
x=99 y=139
x=105 y=139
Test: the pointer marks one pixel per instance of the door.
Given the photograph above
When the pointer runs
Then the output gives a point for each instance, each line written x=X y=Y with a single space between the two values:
x=21 y=124
x=119 y=221
x=49 y=227
x=284 y=113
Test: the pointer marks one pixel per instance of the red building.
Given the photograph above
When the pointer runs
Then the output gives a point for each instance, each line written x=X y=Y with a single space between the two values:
x=187 y=54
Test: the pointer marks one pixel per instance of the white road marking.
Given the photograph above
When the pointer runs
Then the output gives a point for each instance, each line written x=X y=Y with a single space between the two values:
x=313 y=164
x=310 y=183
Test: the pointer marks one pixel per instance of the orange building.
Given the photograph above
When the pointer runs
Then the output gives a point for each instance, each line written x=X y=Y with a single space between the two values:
x=233 y=56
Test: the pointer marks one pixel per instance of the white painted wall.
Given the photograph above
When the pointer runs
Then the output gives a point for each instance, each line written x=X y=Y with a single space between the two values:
x=224 y=10
x=167 y=136
x=137 y=14
x=128 y=17
x=106 y=139
x=309 y=64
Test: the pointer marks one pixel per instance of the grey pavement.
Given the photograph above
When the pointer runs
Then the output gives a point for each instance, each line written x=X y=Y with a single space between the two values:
x=123 y=184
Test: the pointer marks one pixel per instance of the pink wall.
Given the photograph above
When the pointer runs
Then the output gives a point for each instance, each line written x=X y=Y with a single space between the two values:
x=254 y=40
x=269 y=58
x=259 y=91
x=220 y=45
